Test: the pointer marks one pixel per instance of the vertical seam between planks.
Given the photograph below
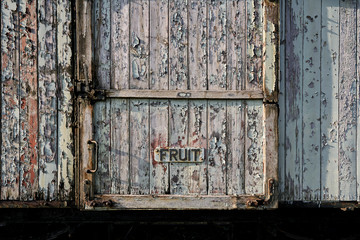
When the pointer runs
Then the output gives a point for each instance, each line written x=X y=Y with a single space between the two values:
x=130 y=66
x=129 y=149
x=57 y=96
x=340 y=56
x=1 y=96
x=37 y=92
x=207 y=147
x=301 y=175
x=18 y=52
x=245 y=143
x=188 y=47
x=356 y=76
x=149 y=129
x=169 y=59
x=285 y=98
x=208 y=49
x=111 y=62
x=243 y=87
x=168 y=141
x=227 y=147
x=148 y=55
x=321 y=50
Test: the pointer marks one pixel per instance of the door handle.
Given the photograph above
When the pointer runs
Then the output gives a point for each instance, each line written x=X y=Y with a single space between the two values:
x=96 y=156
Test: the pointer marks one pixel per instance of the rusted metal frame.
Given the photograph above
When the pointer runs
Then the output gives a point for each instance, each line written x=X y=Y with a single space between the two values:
x=84 y=108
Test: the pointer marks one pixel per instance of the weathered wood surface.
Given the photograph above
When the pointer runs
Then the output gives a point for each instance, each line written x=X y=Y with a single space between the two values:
x=180 y=45
x=319 y=133
x=232 y=131
x=37 y=161
x=195 y=80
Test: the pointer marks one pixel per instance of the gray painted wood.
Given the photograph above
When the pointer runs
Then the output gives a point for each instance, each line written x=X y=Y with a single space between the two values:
x=120 y=55
x=347 y=101
x=139 y=44
x=159 y=134
x=329 y=100
x=311 y=101
x=37 y=160
x=293 y=104
x=120 y=157
x=139 y=147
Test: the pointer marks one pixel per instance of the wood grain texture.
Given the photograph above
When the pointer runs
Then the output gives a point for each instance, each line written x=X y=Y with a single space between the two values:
x=311 y=102
x=198 y=44
x=358 y=105
x=197 y=182
x=254 y=166
x=120 y=45
x=217 y=45
x=236 y=147
x=139 y=147
x=236 y=44
x=254 y=49
x=102 y=136
x=217 y=149
x=159 y=133
x=139 y=44
x=281 y=123
x=329 y=101
x=178 y=37
x=347 y=101
x=29 y=101
x=293 y=105
x=120 y=156
x=65 y=150
x=159 y=44
x=102 y=42
x=178 y=137
x=48 y=137
x=10 y=132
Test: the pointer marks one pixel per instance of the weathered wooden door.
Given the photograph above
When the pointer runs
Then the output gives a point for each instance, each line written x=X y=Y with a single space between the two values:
x=184 y=74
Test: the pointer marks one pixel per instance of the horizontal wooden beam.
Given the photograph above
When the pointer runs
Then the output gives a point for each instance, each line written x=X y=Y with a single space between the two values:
x=173 y=202
x=184 y=94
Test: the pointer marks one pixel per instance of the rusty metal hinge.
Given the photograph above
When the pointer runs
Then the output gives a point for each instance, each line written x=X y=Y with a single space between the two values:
x=83 y=90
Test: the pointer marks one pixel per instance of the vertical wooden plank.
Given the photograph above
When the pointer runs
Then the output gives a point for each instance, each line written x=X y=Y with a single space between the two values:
x=198 y=48
x=254 y=44
x=65 y=102
x=358 y=105
x=347 y=101
x=329 y=100
x=236 y=147
x=178 y=137
x=119 y=165
x=178 y=29
x=29 y=104
x=293 y=98
x=102 y=42
x=139 y=147
x=254 y=167
x=102 y=125
x=311 y=101
x=217 y=148
x=271 y=163
x=159 y=118
x=198 y=138
x=159 y=45
x=217 y=45
x=139 y=44
x=281 y=123
x=10 y=101
x=236 y=44
x=48 y=138
x=120 y=44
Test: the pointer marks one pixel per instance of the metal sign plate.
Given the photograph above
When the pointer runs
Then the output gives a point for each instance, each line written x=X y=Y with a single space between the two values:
x=180 y=155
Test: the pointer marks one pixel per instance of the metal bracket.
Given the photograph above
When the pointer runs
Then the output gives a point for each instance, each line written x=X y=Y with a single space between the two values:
x=268 y=198
x=83 y=91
